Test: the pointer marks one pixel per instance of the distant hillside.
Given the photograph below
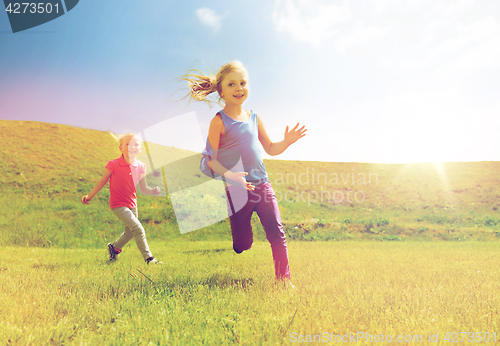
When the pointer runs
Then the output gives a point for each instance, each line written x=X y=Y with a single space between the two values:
x=47 y=168
x=404 y=186
x=40 y=155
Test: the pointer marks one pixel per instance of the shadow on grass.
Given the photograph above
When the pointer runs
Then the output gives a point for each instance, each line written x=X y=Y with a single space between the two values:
x=45 y=266
x=207 y=251
x=215 y=281
x=223 y=281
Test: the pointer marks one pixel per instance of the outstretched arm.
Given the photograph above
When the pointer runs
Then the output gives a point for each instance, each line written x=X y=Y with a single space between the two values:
x=146 y=189
x=276 y=148
x=97 y=187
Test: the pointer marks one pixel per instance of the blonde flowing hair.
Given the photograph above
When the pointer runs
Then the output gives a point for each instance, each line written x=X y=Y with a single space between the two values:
x=201 y=85
x=124 y=138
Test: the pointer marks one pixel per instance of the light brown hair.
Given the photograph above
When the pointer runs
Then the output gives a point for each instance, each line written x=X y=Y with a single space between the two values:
x=202 y=85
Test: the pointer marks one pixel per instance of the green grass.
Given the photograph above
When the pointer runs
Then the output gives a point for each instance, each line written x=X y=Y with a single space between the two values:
x=206 y=294
x=42 y=186
x=418 y=254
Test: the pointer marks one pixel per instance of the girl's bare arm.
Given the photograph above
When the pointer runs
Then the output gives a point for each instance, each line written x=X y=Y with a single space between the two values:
x=97 y=187
x=276 y=148
x=146 y=189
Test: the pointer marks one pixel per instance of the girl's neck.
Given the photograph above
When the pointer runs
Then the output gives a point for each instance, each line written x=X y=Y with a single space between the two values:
x=235 y=111
x=128 y=159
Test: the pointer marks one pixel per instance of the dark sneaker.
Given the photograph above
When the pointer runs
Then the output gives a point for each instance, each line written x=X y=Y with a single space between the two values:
x=152 y=260
x=236 y=250
x=113 y=254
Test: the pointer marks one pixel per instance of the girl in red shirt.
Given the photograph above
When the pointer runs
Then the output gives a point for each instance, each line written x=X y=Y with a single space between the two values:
x=123 y=175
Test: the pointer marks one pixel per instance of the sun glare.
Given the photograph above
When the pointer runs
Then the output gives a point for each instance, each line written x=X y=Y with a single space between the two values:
x=437 y=166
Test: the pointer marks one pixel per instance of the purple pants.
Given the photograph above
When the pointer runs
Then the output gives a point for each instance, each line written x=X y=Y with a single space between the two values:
x=263 y=201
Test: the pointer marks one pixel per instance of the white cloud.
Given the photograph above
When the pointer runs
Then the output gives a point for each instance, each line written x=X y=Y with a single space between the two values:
x=310 y=20
x=423 y=35
x=209 y=18
x=454 y=39
x=426 y=73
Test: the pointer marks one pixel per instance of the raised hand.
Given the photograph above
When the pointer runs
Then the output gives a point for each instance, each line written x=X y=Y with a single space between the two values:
x=294 y=134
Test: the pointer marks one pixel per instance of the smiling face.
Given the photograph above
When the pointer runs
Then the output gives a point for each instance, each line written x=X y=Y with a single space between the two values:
x=234 y=87
x=130 y=148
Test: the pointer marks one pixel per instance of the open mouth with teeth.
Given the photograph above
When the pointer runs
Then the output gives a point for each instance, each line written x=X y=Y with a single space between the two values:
x=239 y=96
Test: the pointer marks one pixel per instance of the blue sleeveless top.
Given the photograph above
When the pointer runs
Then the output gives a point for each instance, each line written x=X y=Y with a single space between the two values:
x=239 y=141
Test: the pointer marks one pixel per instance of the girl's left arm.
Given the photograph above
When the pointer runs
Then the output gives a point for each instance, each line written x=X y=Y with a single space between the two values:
x=146 y=189
x=276 y=148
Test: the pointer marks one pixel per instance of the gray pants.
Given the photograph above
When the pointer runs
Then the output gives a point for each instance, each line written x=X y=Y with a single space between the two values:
x=133 y=229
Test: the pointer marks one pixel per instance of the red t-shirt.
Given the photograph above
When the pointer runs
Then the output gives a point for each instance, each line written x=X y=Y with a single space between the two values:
x=123 y=180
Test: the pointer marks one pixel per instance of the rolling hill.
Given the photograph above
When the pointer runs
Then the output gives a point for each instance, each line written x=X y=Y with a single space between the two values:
x=48 y=167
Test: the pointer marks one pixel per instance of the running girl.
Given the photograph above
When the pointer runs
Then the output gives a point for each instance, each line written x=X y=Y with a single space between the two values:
x=236 y=130
x=123 y=175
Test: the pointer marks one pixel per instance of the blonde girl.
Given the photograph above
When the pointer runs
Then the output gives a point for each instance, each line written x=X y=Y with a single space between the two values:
x=123 y=175
x=236 y=134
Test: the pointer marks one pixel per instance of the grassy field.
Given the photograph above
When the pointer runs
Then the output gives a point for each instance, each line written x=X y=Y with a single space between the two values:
x=43 y=182
x=401 y=250
x=206 y=294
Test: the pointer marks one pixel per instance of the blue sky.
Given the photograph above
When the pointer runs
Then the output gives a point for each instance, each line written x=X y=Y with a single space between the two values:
x=374 y=81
